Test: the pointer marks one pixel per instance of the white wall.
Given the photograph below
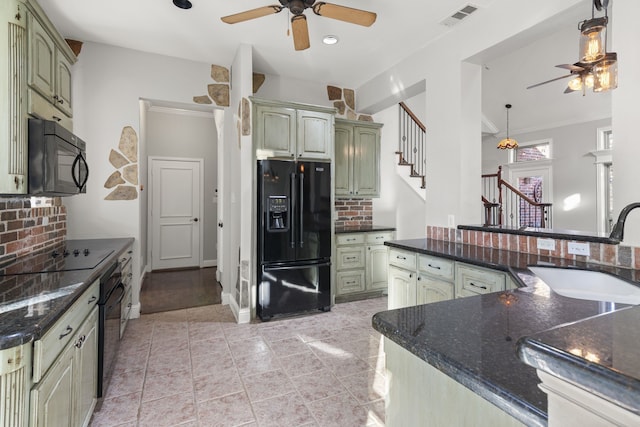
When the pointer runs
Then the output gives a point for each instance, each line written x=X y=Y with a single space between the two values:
x=107 y=85
x=294 y=90
x=574 y=170
x=190 y=134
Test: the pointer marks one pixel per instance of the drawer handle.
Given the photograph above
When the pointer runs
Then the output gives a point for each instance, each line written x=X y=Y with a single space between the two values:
x=350 y=258
x=434 y=266
x=66 y=332
x=351 y=240
x=379 y=237
x=401 y=257
x=353 y=282
x=477 y=286
x=92 y=299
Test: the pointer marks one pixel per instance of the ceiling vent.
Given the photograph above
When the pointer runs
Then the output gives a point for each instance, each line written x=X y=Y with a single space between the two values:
x=459 y=15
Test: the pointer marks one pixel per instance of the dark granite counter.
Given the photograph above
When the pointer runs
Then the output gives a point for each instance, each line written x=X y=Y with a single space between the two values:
x=474 y=340
x=31 y=303
x=363 y=228
x=553 y=233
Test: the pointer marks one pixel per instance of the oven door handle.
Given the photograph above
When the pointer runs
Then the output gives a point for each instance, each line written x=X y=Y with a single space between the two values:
x=119 y=300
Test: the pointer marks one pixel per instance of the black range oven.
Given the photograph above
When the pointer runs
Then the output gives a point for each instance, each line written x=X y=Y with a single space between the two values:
x=112 y=292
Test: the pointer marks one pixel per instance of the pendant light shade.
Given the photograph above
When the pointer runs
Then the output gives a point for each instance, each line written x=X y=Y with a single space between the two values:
x=507 y=143
x=606 y=73
x=593 y=40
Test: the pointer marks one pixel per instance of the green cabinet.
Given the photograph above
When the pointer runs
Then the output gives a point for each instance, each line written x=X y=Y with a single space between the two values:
x=357 y=158
x=285 y=130
x=361 y=264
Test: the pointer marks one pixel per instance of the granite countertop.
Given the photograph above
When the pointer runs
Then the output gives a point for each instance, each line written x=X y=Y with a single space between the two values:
x=363 y=228
x=31 y=303
x=474 y=340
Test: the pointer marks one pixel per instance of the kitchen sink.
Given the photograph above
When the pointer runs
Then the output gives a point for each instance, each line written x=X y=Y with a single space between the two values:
x=587 y=284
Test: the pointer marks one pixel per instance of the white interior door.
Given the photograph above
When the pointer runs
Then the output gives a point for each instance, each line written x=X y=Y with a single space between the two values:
x=176 y=186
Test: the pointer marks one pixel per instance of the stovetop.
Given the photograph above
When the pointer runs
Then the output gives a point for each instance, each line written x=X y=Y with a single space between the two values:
x=62 y=257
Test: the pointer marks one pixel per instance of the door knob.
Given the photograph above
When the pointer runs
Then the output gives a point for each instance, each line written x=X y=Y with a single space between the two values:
x=220 y=224
x=195 y=219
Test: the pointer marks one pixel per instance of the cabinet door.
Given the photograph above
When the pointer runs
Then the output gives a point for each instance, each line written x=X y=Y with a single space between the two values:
x=366 y=164
x=275 y=131
x=86 y=355
x=402 y=288
x=42 y=59
x=377 y=267
x=431 y=290
x=314 y=136
x=52 y=398
x=343 y=159
x=62 y=97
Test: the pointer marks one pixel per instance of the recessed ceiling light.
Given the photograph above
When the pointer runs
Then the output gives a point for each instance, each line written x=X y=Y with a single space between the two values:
x=330 y=40
x=183 y=4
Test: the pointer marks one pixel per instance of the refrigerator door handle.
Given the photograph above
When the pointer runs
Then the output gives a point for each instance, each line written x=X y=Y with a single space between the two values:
x=292 y=232
x=301 y=208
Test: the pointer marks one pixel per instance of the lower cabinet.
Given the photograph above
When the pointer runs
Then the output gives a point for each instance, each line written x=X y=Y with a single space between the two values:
x=66 y=393
x=422 y=279
x=361 y=264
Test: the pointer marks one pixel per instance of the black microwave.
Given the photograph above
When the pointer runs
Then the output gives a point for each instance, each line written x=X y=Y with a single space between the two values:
x=57 y=160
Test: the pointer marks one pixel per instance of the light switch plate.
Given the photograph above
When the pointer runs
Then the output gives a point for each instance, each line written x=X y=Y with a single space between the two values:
x=547 y=244
x=576 y=248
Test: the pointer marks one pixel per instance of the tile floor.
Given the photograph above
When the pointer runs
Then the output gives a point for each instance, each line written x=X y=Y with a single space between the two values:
x=197 y=367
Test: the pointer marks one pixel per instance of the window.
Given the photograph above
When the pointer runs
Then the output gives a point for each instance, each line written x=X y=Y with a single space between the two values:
x=604 y=171
x=532 y=151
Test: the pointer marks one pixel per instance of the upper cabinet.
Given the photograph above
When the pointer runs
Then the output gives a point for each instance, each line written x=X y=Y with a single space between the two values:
x=294 y=131
x=49 y=65
x=357 y=158
x=37 y=82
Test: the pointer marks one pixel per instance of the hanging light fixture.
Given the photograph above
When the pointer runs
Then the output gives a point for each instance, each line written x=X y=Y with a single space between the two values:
x=605 y=73
x=507 y=143
x=592 y=39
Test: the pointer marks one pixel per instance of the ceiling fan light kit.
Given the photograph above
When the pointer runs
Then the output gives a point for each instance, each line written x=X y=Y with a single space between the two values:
x=507 y=143
x=299 y=20
x=597 y=68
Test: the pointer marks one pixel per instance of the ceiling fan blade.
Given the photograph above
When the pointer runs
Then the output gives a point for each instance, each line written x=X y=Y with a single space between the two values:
x=549 y=81
x=346 y=14
x=251 y=14
x=300 y=32
x=571 y=67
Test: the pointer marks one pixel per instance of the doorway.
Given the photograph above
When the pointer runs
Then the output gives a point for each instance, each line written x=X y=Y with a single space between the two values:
x=535 y=183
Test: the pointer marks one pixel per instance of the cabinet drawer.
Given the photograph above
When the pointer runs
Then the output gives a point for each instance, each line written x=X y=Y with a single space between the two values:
x=350 y=257
x=438 y=267
x=38 y=106
x=350 y=281
x=47 y=348
x=379 y=238
x=402 y=259
x=477 y=280
x=350 y=239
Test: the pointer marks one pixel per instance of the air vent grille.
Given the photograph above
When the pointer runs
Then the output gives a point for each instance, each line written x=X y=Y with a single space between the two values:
x=459 y=15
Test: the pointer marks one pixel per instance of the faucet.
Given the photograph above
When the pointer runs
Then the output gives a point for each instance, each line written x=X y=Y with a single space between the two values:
x=618 y=230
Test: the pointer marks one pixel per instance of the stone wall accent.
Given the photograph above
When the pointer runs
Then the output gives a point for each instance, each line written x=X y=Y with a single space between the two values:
x=354 y=212
x=344 y=101
x=125 y=178
x=601 y=253
x=219 y=93
x=202 y=99
x=219 y=73
x=340 y=106
x=25 y=229
x=334 y=93
x=258 y=80
x=75 y=45
x=350 y=98
x=246 y=117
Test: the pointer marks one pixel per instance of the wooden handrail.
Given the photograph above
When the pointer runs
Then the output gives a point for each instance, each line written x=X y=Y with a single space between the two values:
x=523 y=196
x=413 y=116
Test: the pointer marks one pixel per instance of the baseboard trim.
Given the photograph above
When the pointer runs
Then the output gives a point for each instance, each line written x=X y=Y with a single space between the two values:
x=209 y=263
x=242 y=316
x=226 y=298
x=135 y=311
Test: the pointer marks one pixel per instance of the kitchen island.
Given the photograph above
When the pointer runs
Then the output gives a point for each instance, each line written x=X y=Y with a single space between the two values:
x=456 y=362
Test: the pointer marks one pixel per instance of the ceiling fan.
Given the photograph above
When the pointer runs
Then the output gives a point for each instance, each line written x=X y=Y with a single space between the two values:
x=582 y=76
x=299 y=20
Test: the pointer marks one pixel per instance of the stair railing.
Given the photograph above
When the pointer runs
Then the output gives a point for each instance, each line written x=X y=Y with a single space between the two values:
x=520 y=210
x=411 y=143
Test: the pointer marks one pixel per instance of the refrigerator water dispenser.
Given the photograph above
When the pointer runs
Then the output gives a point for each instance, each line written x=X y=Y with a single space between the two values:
x=278 y=219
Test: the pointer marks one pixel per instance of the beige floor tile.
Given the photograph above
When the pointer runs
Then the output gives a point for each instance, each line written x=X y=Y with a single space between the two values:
x=251 y=364
x=217 y=385
x=318 y=385
x=168 y=411
x=158 y=386
x=117 y=410
x=339 y=411
x=366 y=386
x=131 y=361
x=166 y=363
x=125 y=383
x=301 y=364
x=288 y=410
x=212 y=346
x=228 y=411
x=288 y=346
x=208 y=364
x=247 y=346
x=267 y=384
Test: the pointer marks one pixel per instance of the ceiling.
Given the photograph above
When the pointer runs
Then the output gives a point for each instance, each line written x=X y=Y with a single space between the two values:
x=198 y=34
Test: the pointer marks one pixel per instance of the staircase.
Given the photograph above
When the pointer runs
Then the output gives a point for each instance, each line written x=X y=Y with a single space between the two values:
x=505 y=205
x=411 y=144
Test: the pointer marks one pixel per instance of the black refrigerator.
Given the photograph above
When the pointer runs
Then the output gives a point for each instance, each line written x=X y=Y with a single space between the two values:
x=294 y=237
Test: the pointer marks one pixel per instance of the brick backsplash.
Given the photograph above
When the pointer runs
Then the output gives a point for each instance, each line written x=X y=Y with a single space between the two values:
x=354 y=212
x=600 y=253
x=24 y=229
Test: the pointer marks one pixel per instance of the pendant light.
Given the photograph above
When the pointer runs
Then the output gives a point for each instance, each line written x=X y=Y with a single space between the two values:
x=593 y=40
x=507 y=143
x=605 y=73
